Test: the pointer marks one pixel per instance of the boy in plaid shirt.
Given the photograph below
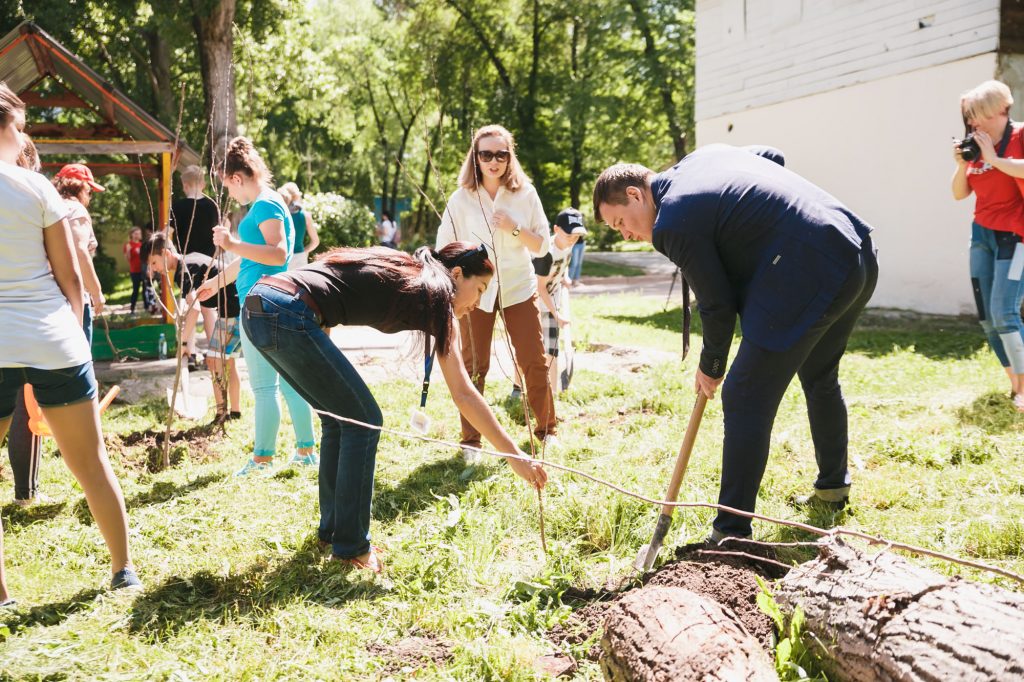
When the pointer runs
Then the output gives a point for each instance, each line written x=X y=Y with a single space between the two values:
x=552 y=272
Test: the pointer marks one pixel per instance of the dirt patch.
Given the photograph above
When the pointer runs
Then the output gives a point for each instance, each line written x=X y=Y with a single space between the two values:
x=732 y=583
x=412 y=653
x=143 y=450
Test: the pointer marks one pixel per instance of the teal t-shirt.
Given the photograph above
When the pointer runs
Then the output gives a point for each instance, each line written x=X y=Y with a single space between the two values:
x=299 y=221
x=268 y=206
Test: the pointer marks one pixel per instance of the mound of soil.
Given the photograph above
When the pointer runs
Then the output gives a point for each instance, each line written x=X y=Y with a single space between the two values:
x=143 y=450
x=411 y=653
x=732 y=583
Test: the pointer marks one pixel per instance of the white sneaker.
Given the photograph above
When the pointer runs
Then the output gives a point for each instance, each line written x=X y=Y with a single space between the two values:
x=471 y=455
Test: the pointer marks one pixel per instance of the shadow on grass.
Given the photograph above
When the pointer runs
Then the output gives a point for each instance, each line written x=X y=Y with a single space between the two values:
x=162 y=491
x=204 y=596
x=878 y=334
x=421 y=487
x=933 y=344
x=49 y=615
x=992 y=413
x=15 y=516
x=671 y=320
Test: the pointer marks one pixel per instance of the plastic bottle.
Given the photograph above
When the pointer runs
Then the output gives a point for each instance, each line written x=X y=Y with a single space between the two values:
x=161 y=346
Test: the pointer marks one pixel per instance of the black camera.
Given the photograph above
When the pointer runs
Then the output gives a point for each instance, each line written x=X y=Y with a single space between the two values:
x=969 y=149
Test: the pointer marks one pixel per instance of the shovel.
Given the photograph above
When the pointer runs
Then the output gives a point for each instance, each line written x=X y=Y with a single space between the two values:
x=187 y=405
x=649 y=552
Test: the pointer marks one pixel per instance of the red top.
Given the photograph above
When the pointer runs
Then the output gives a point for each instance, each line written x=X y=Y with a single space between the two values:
x=131 y=249
x=999 y=205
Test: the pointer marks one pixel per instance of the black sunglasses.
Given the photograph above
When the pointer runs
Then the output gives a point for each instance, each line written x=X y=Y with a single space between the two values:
x=487 y=156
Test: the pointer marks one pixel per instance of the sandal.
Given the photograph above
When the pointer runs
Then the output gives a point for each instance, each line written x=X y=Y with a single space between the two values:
x=373 y=564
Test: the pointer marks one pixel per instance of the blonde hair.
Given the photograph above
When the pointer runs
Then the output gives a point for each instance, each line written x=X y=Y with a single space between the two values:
x=243 y=158
x=291 y=192
x=988 y=99
x=471 y=176
x=193 y=175
x=29 y=157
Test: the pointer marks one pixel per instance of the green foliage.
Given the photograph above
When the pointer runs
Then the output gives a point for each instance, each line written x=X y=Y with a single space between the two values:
x=342 y=222
x=106 y=270
x=792 y=656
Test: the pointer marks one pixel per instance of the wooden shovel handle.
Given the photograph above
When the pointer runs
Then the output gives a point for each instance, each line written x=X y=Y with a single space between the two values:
x=683 y=459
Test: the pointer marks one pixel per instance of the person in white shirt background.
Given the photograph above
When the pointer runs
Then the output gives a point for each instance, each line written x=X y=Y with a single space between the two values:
x=75 y=184
x=387 y=231
x=497 y=205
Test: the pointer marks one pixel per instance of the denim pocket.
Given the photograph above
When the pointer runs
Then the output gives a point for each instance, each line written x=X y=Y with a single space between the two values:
x=261 y=329
x=1006 y=244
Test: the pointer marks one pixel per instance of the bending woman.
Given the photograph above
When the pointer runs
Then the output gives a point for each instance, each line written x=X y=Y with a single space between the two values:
x=998 y=222
x=285 y=316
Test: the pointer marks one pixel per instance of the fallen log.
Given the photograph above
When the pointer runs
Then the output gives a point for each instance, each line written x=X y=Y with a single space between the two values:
x=662 y=634
x=883 y=618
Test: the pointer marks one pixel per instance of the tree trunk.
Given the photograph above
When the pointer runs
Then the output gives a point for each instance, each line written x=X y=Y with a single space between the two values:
x=159 y=73
x=212 y=21
x=661 y=83
x=884 y=618
x=668 y=633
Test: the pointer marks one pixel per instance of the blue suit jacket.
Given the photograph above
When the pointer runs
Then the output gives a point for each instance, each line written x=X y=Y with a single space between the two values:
x=754 y=239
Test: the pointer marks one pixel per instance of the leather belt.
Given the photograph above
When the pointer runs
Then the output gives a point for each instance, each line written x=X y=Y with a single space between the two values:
x=289 y=287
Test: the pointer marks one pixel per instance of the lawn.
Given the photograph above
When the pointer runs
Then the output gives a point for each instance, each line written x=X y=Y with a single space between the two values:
x=236 y=590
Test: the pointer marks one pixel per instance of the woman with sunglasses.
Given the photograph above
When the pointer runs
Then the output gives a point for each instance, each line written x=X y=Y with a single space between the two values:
x=285 y=316
x=497 y=205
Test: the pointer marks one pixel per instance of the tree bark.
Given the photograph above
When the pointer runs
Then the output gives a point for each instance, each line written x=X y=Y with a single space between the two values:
x=662 y=634
x=212 y=21
x=884 y=618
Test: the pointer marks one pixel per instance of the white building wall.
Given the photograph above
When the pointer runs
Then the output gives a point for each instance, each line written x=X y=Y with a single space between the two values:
x=883 y=148
x=751 y=53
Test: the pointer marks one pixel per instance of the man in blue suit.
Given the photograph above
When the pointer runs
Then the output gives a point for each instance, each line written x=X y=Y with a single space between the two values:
x=756 y=240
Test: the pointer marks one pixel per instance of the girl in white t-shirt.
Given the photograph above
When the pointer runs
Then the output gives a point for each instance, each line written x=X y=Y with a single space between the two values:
x=496 y=205
x=41 y=339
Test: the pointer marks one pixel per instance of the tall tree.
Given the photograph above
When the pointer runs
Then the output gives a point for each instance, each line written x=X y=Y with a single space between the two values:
x=213 y=21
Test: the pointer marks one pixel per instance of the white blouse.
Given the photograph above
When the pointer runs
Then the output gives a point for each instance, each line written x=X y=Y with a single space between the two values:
x=468 y=217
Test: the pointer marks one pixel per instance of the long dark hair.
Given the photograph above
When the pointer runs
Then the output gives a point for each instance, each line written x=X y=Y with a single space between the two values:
x=426 y=271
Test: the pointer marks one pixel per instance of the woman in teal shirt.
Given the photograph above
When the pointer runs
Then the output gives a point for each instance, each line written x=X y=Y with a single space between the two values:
x=264 y=243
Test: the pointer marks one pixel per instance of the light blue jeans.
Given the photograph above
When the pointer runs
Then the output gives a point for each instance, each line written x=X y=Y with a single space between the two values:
x=263 y=379
x=998 y=297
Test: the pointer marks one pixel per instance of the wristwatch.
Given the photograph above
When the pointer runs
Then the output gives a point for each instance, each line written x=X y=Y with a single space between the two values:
x=515 y=232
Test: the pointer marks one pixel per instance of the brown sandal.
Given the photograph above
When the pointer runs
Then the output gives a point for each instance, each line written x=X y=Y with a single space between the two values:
x=373 y=564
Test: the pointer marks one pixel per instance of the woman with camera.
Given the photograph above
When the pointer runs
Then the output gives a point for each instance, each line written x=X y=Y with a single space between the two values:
x=989 y=163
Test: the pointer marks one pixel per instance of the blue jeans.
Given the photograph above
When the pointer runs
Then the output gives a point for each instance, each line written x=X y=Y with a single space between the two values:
x=576 y=260
x=263 y=379
x=997 y=297
x=286 y=332
x=87 y=322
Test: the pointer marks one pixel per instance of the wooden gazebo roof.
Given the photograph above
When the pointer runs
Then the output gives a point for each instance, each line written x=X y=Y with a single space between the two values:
x=29 y=56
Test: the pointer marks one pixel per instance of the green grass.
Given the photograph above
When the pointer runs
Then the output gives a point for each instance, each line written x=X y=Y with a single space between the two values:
x=593 y=268
x=235 y=590
x=122 y=290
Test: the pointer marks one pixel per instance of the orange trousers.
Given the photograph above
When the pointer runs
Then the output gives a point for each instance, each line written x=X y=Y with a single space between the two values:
x=522 y=322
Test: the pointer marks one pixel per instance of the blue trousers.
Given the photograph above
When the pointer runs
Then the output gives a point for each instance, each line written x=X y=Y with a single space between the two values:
x=757 y=381
x=998 y=297
x=286 y=332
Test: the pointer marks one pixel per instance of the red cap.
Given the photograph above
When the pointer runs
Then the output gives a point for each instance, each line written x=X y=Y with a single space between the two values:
x=81 y=172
